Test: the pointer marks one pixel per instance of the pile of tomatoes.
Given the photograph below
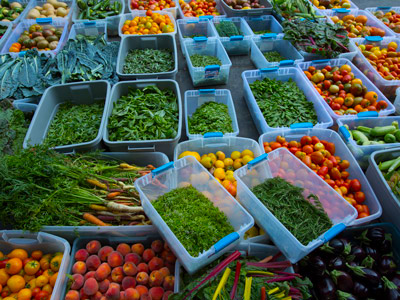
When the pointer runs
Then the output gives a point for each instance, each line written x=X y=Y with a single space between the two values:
x=152 y=23
x=197 y=8
x=25 y=277
x=152 y=4
x=344 y=93
x=330 y=4
x=319 y=155
x=385 y=60
x=357 y=26
x=391 y=19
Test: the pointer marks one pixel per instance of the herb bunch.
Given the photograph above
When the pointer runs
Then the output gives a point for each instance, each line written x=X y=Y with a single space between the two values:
x=273 y=56
x=141 y=61
x=201 y=61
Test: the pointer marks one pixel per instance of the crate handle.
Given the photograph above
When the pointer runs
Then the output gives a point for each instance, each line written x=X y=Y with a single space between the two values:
x=301 y=125
x=162 y=169
x=206 y=17
x=374 y=38
x=66 y=152
x=142 y=149
x=257 y=160
x=89 y=23
x=334 y=231
x=236 y=38
x=226 y=241
x=255 y=19
x=22 y=53
x=200 y=39
x=345 y=132
x=320 y=61
x=367 y=114
x=44 y=20
x=286 y=62
x=384 y=7
x=269 y=70
x=341 y=10
x=212 y=68
x=269 y=36
x=15 y=238
x=206 y=91
x=192 y=21
x=213 y=134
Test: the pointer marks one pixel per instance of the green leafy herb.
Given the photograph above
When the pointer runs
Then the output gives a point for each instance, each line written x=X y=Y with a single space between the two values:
x=210 y=117
x=193 y=218
x=199 y=61
x=286 y=202
x=140 y=61
x=144 y=114
x=75 y=123
x=273 y=56
x=262 y=31
x=227 y=29
x=282 y=103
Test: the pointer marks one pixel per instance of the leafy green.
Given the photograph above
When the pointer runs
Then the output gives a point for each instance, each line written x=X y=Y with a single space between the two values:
x=227 y=29
x=199 y=61
x=273 y=56
x=193 y=218
x=210 y=117
x=144 y=114
x=282 y=103
x=262 y=31
x=74 y=124
x=291 y=9
x=140 y=61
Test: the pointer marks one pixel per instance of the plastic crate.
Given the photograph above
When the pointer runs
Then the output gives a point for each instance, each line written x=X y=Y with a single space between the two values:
x=166 y=145
x=239 y=44
x=396 y=102
x=141 y=13
x=283 y=74
x=89 y=28
x=198 y=27
x=173 y=10
x=194 y=99
x=344 y=153
x=230 y=12
x=77 y=93
x=212 y=74
x=219 y=7
x=349 y=55
x=320 y=64
x=372 y=20
x=385 y=9
x=7 y=34
x=387 y=87
x=360 y=152
x=389 y=201
x=48 y=243
x=264 y=43
x=352 y=6
x=25 y=24
x=22 y=15
x=27 y=104
x=171 y=175
x=264 y=23
x=157 y=42
x=34 y=3
x=144 y=236
x=269 y=165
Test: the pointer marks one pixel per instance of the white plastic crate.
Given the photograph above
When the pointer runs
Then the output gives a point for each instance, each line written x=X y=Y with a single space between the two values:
x=397 y=101
x=387 y=87
x=171 y=175
x=363 y=152
x=352 y=6
x=385 y=9
x=274 y=164
x=344 y=153
x=267 y=22
x=173 y=10
x=283 y=74
x=194 y=99
x=34 y=3
x=89 y=28
x=320 y=64
x=264 y=43
x=212 y=74
x=219 y=7
x=7 y=34
x=238 y=44
x=348 y=55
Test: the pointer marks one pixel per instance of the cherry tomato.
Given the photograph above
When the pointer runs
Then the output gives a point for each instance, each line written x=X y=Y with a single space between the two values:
x=359 y=197
x=344 y=164
x=42 y=295
x=355 y=185
x=314 y=140
x=335 y=173
x=3 y=262
x=308 y=149
x=323 y=171
x=35 y=291
x=306 y=140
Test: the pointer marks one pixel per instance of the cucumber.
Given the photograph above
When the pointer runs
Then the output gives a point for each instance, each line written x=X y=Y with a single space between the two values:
x=382 y=131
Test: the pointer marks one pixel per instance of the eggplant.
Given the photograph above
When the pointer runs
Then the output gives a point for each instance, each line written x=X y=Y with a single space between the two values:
x=358 y=253
x=360 y=290
x=376 y=235
x=391 y=290
x=386 y=246
x=343 y=280
x=353 y=264
x=371 y=252
x=326 y=289
x=377 y=291
x=337 y=246
x=366 y=274
x=337 y=263
x=317 y=265
x=387 y=265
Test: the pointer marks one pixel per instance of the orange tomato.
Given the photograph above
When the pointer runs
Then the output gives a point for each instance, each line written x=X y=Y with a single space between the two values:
x=53 y=279
x=16 y=283
x=371 y=96
x=25 y=294
x=356 y=81
x=13 y=49
x=13 y=266
x=32 y=267
x=37 y=255
x=3 y=277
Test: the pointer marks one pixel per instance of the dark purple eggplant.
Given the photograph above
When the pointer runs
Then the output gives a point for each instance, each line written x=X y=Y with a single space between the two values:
x=336 y=245
x=326 y=289
x=391 y=290
x=360 y=290
x=376 y=292
x=368 y=262
x=386 y=246
x=376 y=235
x=343 y=280
x=347 y=246
x=317 y=265
x=353 y=264
x=371 y=252
x=396 y=280
x=358 y=253
x=387 y=265
x=337 y=263
x=367 y=274
x=345 y=296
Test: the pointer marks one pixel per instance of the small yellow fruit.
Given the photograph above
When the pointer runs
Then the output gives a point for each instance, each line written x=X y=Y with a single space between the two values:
x=228 y=162
x=247 y=152
x=392 y=45
x=195 y=154
x=235 y=155
x=219 y=164
x=237 y=163
x=183 y=154
x=206 y=162
x=213 y=157
x=246 y=159
x=220 y=155
x=219 y=173
x=230 y=177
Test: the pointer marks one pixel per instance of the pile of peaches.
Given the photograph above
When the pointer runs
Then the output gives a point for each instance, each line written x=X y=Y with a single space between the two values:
x=124 y=273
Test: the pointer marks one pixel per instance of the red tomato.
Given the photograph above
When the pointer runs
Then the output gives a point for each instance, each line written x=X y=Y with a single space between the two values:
x=323 y=171
x=355 y=185
x=35 y=291
x=306 y=140
x=333 y=160
x=307 y=161
x=293 y=149
x=330 y=182
x=42 y=295
x=308 y=149
x=360 y=197
x=328 y=163
x=335 y=173
x=3 y=263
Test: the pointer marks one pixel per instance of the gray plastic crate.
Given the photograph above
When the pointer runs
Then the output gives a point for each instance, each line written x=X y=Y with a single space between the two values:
x=230 y=12
x=26 y=104
x=264 y=23
x=158 y=42
x=167 y=145
x=78 y=93
x=89 y=28
x=6 y=35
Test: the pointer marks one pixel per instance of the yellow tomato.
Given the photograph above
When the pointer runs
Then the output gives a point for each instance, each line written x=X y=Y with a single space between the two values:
x=16 y=283
x=41 y=281
x=24 y=294
x=55 y=263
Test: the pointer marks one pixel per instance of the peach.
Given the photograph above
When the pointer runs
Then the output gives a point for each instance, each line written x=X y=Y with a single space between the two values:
x=156 y=278
x=115 y=259
x=102 y=272
x=171 y=267
x=117 y=274
x=148 y=254
x=122 y=295
x=113 y=291
x=142 y=289
x=128 y=282
x=156 y=263
x=79 y=268
x=93 y=247
x=164 y=271
x=142 y=267
x=124 y=249
x=81 y=255
x=166 y=295
x=90 y=274
x=157 y=246
x=90 y=287
x=104 y=252
x=133 y=257
x=72 y=295
x=145 y=297
x=132 y=294
x=138 y=248
x=77 y=281
x=103 y=285
x=164 y=254
x=156 y=293
x=166 y=247
x=168 y=283
x=170 y=258
x=142 y=278
x=83 y=296
x=96 y=296
x=93 y=262
x=129 y=269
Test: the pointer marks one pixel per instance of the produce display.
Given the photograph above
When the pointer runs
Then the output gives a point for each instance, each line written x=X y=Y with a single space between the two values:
x=291 y=9
x=26 y=275
x=357 y=266
x=10 y=11
x=356 y=26
x=389 y=169
x=42 y=38
x=319 y=156
x=142 y=61
x=98 y=9
x=201 y=61
x=210 y=117
x=152 y=23
x=282 y=103
x=51 y=9
x=122 y=272
x=153 y=5
x=345 y=94
x=240 y=4
x=227 y=29
x=197 y=8
x=331 y=4
x=273 y=56
x=385 y=60
x=206 y=222
x=391 y=19
x=366 y=136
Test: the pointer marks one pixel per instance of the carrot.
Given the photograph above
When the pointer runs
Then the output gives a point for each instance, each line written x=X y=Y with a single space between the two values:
x=113 y=195
x=151 y=167
x=97 y=183
x=92 y=219
x=263 y=293
x=123 y=208
x=265 y=260
x=97 y=207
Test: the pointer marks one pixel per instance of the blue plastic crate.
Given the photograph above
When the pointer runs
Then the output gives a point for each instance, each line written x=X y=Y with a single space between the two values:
x=264 y=23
